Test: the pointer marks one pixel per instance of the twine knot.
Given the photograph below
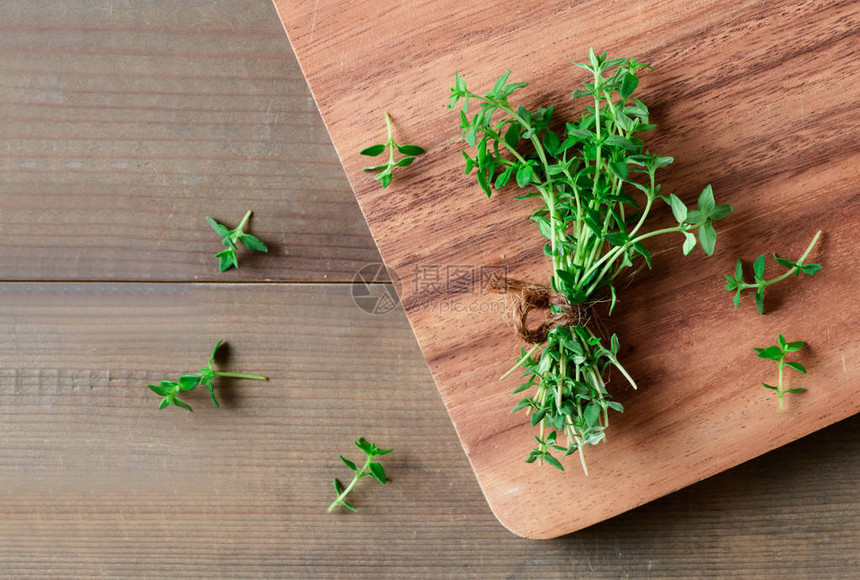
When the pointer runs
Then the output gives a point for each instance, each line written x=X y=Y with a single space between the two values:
x=528 y=296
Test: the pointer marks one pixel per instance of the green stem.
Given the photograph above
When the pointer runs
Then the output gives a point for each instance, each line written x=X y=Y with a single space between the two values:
x=745 y=285
x=582 y=456
x=779 y=392
x=240 y=376
x=519 y=362
x=613 y=254
x=630 y=380
x=390 y=142
x=358 y=475
x=243 y=222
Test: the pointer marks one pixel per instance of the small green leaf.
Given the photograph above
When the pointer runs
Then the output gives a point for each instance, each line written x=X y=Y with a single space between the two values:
x=689 y=243
x=796 y=390
x=794 y=346
x=188 y=382
x=694 y=217
x=524 y=175
x=537 y=416
x=469 y=161
x=770 y=353
x=628 y=84
x=347 y=505
x=405 y=162
x=338 y=486
x=566 y=277
x=619 y=169
x=721 y=211
x=758 y=267
x=551 y=143
x=159 y=390
x=214 y=350
x=553 y=461
x=348 y=463
x=759 y=300
x=796 y=366
x=617 y=141
x=616 y=239
x=373 y=150
x=767 y=386
x=522 y=404
x=739 y=271
x=592 y=413
x=182 y=404
x=364 y=445
x=377 y=472
x=385 y=180
x=219 y=229
x=227 y=260
x=254 y=243
x=679 y=210
x=811 y=269
x=503 y=177
x=784 y=262
x=706 y=201
x=707 y=237
x=512 y=135
x=212 y=394
x=660 y=162
x=410 y=150
x=163 y=403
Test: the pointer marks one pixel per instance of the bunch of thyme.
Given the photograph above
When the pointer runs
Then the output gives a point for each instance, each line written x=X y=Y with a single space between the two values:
x=586 y=176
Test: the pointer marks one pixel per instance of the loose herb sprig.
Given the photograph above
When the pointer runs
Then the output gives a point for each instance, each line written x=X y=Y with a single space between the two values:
x=386 y=170
x=231 y=239
x=369 y=469
x=736 y=283
x=170 y=390
x=584 y=175
x=778 y=353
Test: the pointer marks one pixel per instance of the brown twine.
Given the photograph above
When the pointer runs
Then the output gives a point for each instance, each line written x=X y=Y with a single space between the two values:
x=527 y=297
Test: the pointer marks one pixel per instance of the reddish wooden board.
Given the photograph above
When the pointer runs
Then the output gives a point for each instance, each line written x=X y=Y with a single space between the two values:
x=757 y=98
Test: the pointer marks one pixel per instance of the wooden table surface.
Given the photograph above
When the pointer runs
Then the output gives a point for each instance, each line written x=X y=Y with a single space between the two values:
x=121 y=125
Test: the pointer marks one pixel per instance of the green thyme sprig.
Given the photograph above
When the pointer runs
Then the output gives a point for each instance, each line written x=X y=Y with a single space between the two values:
x=779 y=353
x=231 y=240
x=171 y=390
x=386 y=170
x=597 y=185
x=370 y=469
x=736 y=283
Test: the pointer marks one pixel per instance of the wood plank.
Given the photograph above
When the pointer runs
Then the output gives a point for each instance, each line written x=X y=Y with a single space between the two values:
x=123 y=124
x=94 y=481
x=744 y=96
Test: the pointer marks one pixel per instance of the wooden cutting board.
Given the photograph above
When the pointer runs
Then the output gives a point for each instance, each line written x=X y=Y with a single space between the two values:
x=758 y=98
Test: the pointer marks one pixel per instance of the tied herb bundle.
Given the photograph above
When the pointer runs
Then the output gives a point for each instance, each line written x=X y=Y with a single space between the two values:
x=586 y=176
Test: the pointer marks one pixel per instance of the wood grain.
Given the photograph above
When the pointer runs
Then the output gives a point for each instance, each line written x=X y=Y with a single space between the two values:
x=122 y=124
x=95 y=482
x=744 y=96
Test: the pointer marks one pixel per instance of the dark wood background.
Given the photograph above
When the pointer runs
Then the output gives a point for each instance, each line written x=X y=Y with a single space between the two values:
x=121 y=125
